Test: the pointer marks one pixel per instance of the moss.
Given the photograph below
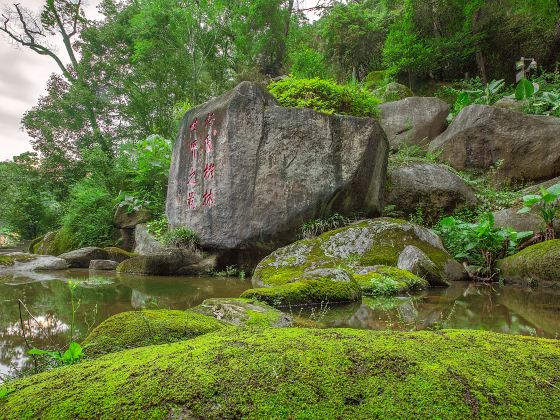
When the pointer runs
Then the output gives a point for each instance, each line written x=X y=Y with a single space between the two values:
x=142 y=328
x=6 y=260
x=118 y=254
x=386 y=281
x=323 y=290
x=56 y=243
x=537 y=264
x=34 y=245
x=303 y=373
x=243 y=312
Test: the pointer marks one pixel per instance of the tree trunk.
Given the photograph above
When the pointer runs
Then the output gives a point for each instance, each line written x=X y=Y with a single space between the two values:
x=553 y=55
x=480 y=60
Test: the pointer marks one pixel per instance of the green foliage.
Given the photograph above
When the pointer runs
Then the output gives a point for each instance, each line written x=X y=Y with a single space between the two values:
x=5 y=391
x=324 y=96
x=158 y=227
x=524 y=90
x=89 y=214
x=407 y=154
x=315 y=227
x=181 y=237
x=472 y=92
x=479 y=244
x=307 y=63
x=548 y=205
x=71 y=356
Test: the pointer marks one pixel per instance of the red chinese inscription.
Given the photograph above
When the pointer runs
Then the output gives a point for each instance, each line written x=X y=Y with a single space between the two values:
x=208 y=198
x=192 y=177
x=209 y=171
x=208 y=144
x=190 y=201
x=194 y=149
x=210 y=119
x=193 y=126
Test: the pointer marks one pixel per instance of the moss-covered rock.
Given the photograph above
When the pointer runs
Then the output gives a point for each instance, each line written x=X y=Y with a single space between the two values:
x=351 y=249
x=303 y=292
x=536 y=265
x=55 y=243
x=143 y=328
x=393 y=92
x=244 y=312
x=6 y=261
x=301 y=373
x=387 y=281
x=117 y=254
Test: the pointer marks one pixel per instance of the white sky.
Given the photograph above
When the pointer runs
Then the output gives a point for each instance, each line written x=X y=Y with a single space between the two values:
x=23 y=77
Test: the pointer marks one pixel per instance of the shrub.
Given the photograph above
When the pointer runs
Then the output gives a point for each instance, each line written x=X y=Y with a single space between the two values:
x=89 y=214
x=479 y=244
x=324 y=96
x=181 y=237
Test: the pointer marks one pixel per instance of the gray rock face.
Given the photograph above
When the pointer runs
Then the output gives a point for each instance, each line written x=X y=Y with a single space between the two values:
x=417 y=262
x=521 y=222
x=244 y=312
x=247 y=173
x=80 y=258
x=413 y=121
x=123 y=219
x=145 y=243
x=106 y=265
x=433 y=188
x=524 y=147
x=169 y=263
x=29 y=262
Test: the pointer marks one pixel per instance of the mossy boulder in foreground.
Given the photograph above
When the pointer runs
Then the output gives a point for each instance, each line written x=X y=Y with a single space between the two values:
x=305 y=373
x=143 y=328
x=536 y=265
x=243 y=312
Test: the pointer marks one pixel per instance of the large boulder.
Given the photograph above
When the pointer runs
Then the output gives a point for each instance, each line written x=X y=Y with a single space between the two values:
x=146 y=243
x=171 y=262
x=80 y=258
x=247 y=173
x=413 y=121
x=244 y=312
x=393 y=91
x=520 y=147
x=537 y=265
x=299 y=373
x=23 y=262
x=128 y=219
x=521 y=222
x=338 y=258
x=432 y=188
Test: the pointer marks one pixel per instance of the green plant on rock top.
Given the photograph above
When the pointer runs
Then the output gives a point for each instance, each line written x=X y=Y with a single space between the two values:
x=548 y=204
x=181 y=237
x=412 y=153
x=480 y=244
x=72 y=355
x=316 y=227
x=325 y=96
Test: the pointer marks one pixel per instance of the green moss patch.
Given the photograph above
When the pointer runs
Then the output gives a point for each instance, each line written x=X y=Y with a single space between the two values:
x=244 y=312
x=142 y=328
x=323 y=290
x=118 y=254
x=387 y=281
x=305 y=373
x=6 y=261
x=537 y=264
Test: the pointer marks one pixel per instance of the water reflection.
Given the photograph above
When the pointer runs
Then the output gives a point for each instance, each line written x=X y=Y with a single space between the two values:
x=507 y=309
x=47 y=296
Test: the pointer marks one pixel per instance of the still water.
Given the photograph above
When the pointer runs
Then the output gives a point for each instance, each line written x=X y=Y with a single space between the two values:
x=46 y=297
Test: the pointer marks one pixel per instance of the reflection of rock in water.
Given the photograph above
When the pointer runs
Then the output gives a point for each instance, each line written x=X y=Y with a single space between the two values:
x=139 y=300
x=541 y=308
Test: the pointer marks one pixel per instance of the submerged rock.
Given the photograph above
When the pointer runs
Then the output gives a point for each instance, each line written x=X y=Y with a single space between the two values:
x=244 y=312
x=292 y=372
x=81 y=258
x=537 y=265
x=247 y=173
x=521 y=147
x=413 y=121
x=289 y=273
x=433 y=189
x=133 y=329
